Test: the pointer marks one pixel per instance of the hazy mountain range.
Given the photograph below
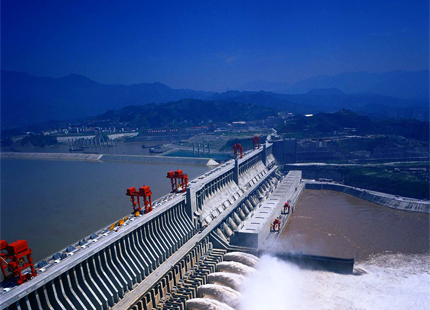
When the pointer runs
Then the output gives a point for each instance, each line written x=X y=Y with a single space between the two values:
x=331 y=100
x=399 y=84
x=26 y=99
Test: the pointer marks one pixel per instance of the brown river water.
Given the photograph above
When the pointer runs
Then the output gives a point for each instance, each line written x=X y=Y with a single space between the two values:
x=390 y=247
x=331 y=223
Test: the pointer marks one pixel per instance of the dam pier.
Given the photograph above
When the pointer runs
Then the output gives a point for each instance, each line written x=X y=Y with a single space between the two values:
x=157 y=260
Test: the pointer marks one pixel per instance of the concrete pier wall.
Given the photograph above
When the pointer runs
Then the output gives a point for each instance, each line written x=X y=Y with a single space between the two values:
x=255 y=230
x=387 y=200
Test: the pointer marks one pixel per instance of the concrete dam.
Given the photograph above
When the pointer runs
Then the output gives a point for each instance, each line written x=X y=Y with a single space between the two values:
x=157 y=260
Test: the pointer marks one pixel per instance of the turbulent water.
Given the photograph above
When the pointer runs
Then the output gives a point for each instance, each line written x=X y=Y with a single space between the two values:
x=383 y=281
x=235 y=267
x=229 y=279
x=244 y=258
x=391 y=248
x=221 y=293
x=206 y=304
x=390 y=281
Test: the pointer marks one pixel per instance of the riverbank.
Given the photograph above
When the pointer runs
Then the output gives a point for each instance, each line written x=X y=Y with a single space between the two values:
x=45 y=156
x=387 y=200
x=108 y=158
x=155 y=159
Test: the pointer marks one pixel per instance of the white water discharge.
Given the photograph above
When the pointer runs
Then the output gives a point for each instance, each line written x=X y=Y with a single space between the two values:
x=240 y=257
x=206 y=304
x=235 y=267
x=389 y=281
x=221 y=293
x=229 y=279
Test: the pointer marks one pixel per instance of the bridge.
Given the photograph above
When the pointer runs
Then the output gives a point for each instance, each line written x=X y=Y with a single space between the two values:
x=156 y=260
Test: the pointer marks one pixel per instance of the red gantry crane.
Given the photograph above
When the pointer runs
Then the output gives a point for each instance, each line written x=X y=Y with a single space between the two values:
x=145 y=193
x=16 y=262
x=179 y=181
x=255 y=142
x=238 y=148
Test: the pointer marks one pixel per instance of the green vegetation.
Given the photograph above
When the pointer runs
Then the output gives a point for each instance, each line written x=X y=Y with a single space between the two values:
x=387 y=181
x=39 y=140
x=323 y=124
x=384 y=178
x=186 y=113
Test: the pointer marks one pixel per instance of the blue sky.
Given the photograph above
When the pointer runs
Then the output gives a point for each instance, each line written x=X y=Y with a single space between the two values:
x=212 y=45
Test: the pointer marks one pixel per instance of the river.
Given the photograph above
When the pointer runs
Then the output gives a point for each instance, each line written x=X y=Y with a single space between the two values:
x=336 y=224
x=390 y=247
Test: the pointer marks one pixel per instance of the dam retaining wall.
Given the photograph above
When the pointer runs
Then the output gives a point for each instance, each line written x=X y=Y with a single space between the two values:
x=387 y=200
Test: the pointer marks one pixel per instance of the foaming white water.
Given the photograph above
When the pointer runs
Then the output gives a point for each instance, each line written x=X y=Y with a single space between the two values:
x=240 y=257
x=235 y=267
x=206 y=304
x=275 y=285
x=391 y=281
x=229 y=279
x=221 y=293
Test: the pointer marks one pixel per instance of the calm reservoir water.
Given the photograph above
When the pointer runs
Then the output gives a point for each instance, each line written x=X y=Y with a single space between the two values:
x=215 y=156
x=122 y=148
x=52 y=204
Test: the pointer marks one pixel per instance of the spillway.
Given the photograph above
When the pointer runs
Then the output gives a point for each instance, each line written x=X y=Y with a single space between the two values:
x=229 y=279
x=221 y=293
x=244 y=258
x=158 y=260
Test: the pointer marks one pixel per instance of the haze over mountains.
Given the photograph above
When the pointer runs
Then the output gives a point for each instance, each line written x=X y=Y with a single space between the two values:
x=27 y=99
x=399 y=84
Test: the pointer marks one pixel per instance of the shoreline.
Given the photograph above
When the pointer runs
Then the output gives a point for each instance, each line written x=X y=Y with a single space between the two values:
x=384 y=199
x=107 y=158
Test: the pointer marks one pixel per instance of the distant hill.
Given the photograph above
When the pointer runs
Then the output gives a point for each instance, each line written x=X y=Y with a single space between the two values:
x=186 y=113
x=330 y=100
x=26 y=99
x=322 y=124
x=399 y=84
